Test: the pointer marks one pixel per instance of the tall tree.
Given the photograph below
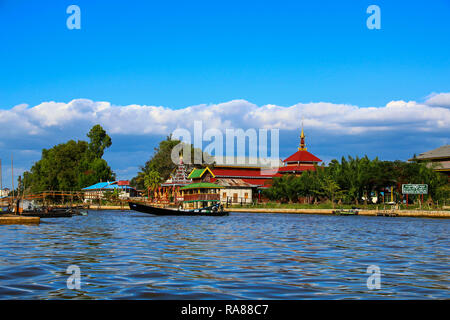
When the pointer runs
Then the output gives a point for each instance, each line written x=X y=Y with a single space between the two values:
x=99 y=141
x=70 y=166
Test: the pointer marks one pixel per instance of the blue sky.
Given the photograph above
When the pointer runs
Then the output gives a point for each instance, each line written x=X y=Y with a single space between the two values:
x=178 y=54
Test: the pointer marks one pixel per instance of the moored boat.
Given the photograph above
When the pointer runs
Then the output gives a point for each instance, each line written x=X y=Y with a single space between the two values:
x=27 y=208
x=214 y=210
x=346 y=212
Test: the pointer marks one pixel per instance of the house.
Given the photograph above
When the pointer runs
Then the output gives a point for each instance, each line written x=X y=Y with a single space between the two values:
x=4 y=192
x=233 y=189
x=202 y=192
x=236 y=191
x=98 y=190
x=438 y=159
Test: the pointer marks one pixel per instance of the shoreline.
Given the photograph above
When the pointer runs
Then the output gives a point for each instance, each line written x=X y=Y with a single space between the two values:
x=444 y=214
x=397 y=213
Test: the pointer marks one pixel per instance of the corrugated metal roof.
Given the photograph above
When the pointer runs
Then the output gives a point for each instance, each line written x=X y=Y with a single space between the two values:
x=234 y=183
x=107 y=185
x=100 y=185
x=441 y=152
x=259 y=182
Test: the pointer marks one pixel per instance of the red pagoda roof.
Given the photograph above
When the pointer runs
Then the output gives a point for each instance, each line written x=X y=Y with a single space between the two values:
x=302 y=156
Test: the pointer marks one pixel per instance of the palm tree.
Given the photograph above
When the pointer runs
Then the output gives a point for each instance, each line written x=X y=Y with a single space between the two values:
x=152 y=180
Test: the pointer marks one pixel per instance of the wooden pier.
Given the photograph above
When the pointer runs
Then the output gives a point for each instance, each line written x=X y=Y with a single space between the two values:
x=15 y=219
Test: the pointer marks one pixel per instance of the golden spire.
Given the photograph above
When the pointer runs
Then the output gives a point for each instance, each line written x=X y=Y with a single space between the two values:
x=302 y=140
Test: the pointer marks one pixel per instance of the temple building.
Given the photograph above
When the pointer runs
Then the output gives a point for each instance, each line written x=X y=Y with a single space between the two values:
x=233 y=184
x=256 y=176
x=169 y=191
x=300 y=161
x=243 y=184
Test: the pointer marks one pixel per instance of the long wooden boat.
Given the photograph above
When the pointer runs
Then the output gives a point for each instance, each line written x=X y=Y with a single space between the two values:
x=52 y=213
x=45 y=212
x=346 y=212
x=215 y=210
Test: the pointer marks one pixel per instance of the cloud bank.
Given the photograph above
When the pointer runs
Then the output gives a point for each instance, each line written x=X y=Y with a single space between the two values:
x=397 y=130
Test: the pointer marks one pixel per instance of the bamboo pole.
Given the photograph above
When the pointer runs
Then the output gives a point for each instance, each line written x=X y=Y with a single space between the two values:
x=12 y=179
x=1 y=178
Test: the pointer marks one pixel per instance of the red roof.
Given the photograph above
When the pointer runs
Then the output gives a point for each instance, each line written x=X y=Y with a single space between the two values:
x=259 y=182
x=302 y=156
x=296 y=168
x=236 y=173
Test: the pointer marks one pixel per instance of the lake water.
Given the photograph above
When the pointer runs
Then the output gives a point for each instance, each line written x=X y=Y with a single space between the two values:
x=130 y=255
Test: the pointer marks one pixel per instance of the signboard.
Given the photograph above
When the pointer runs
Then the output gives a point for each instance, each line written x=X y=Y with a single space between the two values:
x=414 y=188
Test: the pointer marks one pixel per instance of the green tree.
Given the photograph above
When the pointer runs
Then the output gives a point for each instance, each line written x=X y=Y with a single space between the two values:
x=330 y=188
x=354 y=179
x=67 y=166
x=99 y=141
x=152 y=180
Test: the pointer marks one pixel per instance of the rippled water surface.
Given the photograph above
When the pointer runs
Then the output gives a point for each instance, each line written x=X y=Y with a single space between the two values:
x=130 y=255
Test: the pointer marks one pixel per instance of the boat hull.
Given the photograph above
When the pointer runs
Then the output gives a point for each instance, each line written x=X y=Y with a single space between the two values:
x=343 y=212
x=52 y=213
x=172 y=212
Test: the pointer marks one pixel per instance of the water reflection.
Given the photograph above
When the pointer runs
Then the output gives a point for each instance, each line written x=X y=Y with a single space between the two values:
x=280 y=256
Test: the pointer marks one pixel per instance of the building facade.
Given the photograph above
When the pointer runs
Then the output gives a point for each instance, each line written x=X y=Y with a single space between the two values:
x=4 y=192
x=438 y=159
x=202 y=192
x=99 y=190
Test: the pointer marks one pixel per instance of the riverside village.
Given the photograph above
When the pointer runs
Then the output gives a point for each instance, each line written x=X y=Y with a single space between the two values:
x=300 y=183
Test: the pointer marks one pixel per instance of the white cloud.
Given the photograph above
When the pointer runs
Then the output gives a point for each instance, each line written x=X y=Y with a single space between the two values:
x=441 y=99
x=144 y=120
x=331 y=125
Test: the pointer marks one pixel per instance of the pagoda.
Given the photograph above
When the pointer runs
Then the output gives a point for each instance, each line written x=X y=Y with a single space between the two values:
x=171 y=187
x=300 y=161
